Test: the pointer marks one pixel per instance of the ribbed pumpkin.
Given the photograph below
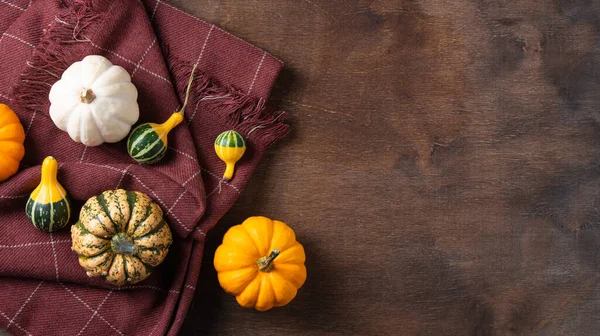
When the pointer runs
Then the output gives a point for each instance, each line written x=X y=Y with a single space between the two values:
x=48 y=207
x=121 y=236
x=261 y=263
x=12 y=137
x=230 y=147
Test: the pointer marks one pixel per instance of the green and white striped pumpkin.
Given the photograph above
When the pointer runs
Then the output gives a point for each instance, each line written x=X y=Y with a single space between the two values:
x=48 y=207
x=121 y=236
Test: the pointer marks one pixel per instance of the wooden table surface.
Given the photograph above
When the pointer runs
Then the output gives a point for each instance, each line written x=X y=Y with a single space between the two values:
x=443 y=172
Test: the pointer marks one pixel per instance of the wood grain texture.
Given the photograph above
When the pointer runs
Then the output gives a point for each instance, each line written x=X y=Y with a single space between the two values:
x=443 y=172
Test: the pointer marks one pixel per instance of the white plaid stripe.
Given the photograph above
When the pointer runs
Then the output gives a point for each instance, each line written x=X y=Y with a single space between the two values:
x=19 y=39
x=212 y=192
x=143 y=56
x=95 y=312
x=123 y=176
x=218 y=28
x=35 y=244
x=260 y=64
x=83 y=153
x=184 y=191
x=54 y=256
x=13 y=5
x=204 y=45
x=31 y=121
x=13 y=197
x=16 y=324
x=131 y=62
x=157 y=324
x=145 y=186
x=12 y=320
x=221 y=179
x=190 y=287
x=173 y=291
x=90 y=308
x=154 y=10
x=184 y=154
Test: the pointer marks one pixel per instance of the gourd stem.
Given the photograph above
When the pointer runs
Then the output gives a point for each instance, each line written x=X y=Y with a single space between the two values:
x=187 y=90
x=122 y=244
x=265 y=264
x=49 y=170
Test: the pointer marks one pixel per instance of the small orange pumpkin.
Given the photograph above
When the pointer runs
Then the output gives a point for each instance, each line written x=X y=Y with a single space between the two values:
x=261 y=263
x=12 y=136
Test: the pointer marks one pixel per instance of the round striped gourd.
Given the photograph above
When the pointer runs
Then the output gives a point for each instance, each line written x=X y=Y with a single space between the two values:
x=230 y=147
x=48 y=207
x=121 y=236
x=148 y=142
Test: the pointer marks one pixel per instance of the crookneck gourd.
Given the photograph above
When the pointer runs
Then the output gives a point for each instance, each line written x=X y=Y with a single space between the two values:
x=48 y=207
x=148 y=142
x=121 y=236
x=12 y=137
x=261 y=263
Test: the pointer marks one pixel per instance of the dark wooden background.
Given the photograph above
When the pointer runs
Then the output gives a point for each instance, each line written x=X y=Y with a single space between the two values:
x=443 y=172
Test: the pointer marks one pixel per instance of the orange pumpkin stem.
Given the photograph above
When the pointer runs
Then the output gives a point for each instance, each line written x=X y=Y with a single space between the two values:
x=265 y=264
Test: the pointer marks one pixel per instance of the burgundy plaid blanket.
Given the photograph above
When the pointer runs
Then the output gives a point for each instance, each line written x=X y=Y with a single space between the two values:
x=43 y=290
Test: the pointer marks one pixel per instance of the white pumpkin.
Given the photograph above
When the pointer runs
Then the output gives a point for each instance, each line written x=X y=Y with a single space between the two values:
x=94 y=101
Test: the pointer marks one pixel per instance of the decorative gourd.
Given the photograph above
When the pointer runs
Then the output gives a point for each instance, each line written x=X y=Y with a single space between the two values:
x=94 y=101
x=148 y=142
x=121 y=236
x=12 y=137
x=230 y=147
x=261 y=263
x=48 y=207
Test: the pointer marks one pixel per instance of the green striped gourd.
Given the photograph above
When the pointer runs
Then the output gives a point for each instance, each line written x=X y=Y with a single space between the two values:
x=48 y=207
x=121 y=236
x=230 y=147
x=148 y=142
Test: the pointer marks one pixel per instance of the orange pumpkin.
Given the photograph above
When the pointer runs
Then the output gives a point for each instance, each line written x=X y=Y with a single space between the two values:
x=261 y=263
x=12 y=136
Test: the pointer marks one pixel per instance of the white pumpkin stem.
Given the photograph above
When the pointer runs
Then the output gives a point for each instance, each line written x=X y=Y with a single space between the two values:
x=86 y=96
x=265 y=264
x=187 y=90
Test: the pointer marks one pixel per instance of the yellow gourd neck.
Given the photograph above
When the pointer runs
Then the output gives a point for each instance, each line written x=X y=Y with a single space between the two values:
x=49 y=171
x=229 y=169
x=174 y=120
x=49 y=190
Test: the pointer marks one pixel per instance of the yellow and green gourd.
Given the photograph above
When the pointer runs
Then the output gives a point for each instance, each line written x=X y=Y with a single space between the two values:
x=230 y=147
x=148 y=142
x=48 y=207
